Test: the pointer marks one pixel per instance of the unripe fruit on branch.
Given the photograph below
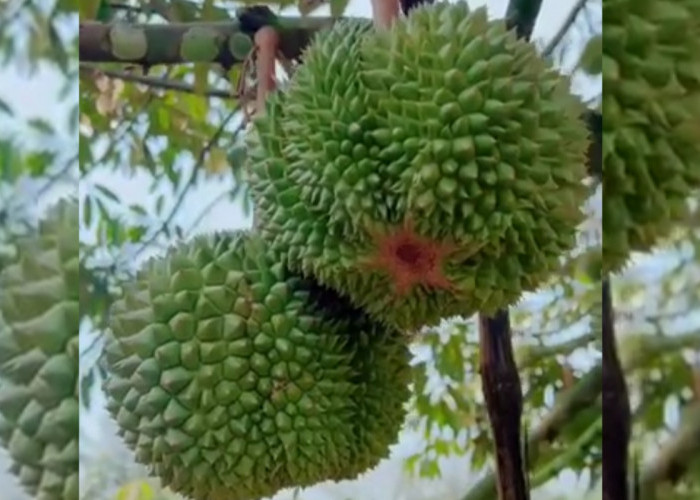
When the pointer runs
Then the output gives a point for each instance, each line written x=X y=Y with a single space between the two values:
x=431 y=169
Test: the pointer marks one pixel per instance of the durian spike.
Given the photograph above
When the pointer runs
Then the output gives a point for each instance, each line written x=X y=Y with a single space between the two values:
x=384 y=13
x=266 y=43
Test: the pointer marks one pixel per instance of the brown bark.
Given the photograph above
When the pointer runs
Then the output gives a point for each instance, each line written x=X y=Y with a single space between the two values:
x=616 y=410
x=500 y=382
x=164 y=40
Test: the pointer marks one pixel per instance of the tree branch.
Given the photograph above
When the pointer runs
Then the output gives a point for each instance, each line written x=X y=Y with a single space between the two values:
x=672 y=461
x=159 y=83
x=570 y=403
x=500 y=382
x=616 y=409
x=163 y=43
x=594 y=121
x=572 y=452
x=190 y=182
x=564 y=28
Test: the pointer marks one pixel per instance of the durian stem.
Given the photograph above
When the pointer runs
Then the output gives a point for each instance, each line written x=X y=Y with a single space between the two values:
x=522 y=15
x=408 y=5
x=384 y=12
x=616 y=409
x=500 y=383
x=266 y=43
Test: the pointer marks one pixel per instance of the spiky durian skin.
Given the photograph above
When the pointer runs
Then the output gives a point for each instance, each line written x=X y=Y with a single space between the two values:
x=651 y=121
x=39 y=323
x=445 y=121
x=233 y=378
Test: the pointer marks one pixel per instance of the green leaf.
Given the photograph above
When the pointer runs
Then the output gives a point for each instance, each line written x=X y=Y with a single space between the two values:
x=197 y=107
x=104 y=11
x=185 y=10
x=159 y=204
x=86 y=383
x=73 y=120
x=8 y=160
x=591 y=61
x=338 y=7
x=429 y=469
x=136 y=233
x=84 y=153
x=412 y=461
x=208 y=10
x=450 y=361
x=107 y=192
x=42 y=126
x=201 y=78
x=87 y=212
x=5 y=108
x=138 y=490
x=36 y=163
x=138 y=209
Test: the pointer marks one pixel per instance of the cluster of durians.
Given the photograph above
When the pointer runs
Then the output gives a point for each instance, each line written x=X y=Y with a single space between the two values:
x=401 y=177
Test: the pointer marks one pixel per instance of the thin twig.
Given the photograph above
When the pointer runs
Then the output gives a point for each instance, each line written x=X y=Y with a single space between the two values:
x=153 y=82
x=589 y=437
x=189 y=183
x=564 y=28
x=150 y=98
x=673 y=459
x=208 y=208
x=54 y=178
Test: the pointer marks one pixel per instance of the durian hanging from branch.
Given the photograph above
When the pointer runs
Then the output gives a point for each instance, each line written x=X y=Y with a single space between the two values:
x=430 y=170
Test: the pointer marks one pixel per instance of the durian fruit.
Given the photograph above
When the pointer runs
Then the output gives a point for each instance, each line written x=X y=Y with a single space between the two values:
x=651 y=121
x=39 y=323
x=233 y=378
x=429 y=170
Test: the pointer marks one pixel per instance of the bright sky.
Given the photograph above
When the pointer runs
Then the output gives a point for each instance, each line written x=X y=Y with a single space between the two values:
x=37 y=98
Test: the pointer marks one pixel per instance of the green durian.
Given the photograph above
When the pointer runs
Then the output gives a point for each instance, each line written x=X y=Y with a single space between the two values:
x=429 y=170
x=39 y=323
x=232 y=378
x=651 y=121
